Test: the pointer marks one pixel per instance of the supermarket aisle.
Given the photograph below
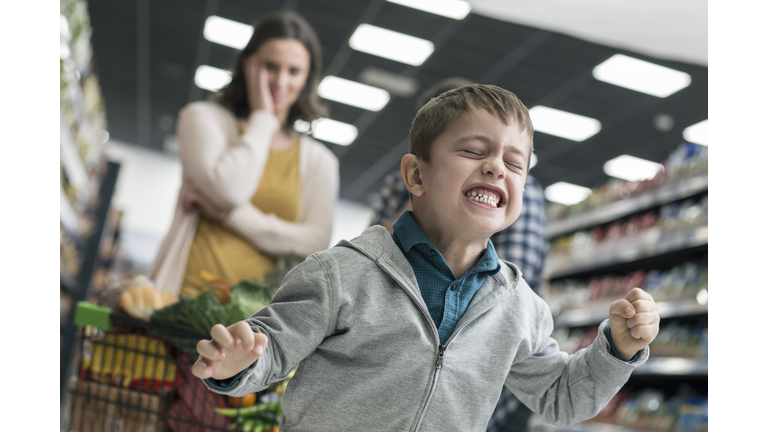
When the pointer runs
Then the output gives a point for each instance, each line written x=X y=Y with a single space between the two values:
x=650 y=234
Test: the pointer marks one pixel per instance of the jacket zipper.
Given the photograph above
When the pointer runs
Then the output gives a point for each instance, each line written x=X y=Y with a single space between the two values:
x=436 y=375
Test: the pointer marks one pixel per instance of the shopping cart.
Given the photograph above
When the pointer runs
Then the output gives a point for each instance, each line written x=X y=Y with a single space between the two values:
x=132 y=375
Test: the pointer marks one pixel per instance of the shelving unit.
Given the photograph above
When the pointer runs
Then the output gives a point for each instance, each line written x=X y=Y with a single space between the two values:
x=663 y=195
x=78 y=288
x=648 y=245
x=582 y=266
x=595 y=313
x=87 y=179
x=539 y=426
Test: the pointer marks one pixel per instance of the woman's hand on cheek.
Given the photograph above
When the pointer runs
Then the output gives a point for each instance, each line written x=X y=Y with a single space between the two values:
x=257 y=84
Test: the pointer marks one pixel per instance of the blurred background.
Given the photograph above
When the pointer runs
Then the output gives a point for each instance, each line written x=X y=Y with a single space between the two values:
x=618 y=93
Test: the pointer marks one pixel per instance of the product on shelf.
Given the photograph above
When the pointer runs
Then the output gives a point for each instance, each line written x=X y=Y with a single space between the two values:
x=672 y=226
x=686 y=161
x=71 y=259
x=680 y=340
x=653 y=410
x=681 y=282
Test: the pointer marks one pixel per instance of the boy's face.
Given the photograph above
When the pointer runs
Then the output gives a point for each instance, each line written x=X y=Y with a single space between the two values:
x=476 y=156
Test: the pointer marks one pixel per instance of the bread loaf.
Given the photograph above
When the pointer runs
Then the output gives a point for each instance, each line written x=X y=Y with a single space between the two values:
x=142 y=301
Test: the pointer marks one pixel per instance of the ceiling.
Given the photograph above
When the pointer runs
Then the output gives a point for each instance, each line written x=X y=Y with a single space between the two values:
x=146 y=53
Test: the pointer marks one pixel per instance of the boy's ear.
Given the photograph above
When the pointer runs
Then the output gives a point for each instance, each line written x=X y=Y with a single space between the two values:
x=411 y=172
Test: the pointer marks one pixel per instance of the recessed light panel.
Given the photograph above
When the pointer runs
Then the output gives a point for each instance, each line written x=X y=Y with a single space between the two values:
x=353 y=93
x=334 y=132
x=641 y=76
x=395 y=84
x=211 y=78
x=227 y=32
x=391 y=45
x=563 y=124
x=566 y=193
x=456 y=9
x=630 y=168
x=698 y=133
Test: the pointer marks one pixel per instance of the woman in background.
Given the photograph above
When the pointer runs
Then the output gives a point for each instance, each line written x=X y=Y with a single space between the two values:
x=252 y=187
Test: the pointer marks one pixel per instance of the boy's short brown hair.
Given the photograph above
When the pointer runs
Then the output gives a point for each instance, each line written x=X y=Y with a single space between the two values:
x=435 y=116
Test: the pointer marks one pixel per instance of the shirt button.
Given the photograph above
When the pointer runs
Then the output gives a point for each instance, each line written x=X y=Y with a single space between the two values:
x=454 y=287
x=432 y=252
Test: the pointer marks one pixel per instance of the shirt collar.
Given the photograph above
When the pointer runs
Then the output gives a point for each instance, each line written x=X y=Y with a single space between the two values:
x=408 y=234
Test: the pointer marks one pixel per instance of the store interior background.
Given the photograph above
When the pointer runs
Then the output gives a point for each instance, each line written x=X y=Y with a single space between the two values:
x=146 y=54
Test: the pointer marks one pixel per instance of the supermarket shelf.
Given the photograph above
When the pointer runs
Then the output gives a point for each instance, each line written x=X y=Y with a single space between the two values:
x=91 y=262
x=597 y=312
x=665 y=194
x=539 y=426
x=648 y=245
x=68 y=216
x=69 y=284
x=673 y=366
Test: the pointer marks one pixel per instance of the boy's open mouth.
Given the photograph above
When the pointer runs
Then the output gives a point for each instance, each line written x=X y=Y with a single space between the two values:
x=485 y=195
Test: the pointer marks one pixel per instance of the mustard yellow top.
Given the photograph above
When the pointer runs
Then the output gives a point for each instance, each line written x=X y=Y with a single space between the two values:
x=226 y=255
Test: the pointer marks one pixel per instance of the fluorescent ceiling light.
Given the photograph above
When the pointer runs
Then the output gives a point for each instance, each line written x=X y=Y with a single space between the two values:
x=227 y=32
x=211 y=78
x=563 y=124
x=396 y=84
x=353 y=93
x=630 y=168
x=566 y=193
x=391 y=45
x=301 y=126
x=641 y=76
x=334 y=132
x=698 y=133
x=456 y=9
x=534 y=161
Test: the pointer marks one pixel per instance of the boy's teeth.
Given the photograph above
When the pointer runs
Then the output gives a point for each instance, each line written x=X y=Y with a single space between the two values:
x=483 y=198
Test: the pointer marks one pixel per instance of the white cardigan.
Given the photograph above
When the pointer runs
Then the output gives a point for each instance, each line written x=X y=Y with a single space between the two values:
x=226 y=168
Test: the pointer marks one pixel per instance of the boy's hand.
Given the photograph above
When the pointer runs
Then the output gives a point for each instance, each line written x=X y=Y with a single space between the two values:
x=231 y=350
x=634 y=322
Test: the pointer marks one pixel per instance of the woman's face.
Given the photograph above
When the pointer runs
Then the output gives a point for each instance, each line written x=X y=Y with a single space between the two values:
x=287 y=62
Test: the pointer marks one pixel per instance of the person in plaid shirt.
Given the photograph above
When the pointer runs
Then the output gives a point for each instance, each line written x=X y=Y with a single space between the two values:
x=524 y=243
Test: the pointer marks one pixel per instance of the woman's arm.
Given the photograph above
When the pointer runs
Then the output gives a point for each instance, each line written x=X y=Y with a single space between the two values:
x=275 y=236
x=223 y=168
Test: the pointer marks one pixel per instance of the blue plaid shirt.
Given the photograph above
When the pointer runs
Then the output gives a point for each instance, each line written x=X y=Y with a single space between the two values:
x=447 y=297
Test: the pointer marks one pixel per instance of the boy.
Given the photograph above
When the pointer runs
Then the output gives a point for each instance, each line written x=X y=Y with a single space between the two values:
x=421 y=328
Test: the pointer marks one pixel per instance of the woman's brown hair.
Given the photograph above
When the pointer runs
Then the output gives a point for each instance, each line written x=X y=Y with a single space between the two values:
x=285 y=25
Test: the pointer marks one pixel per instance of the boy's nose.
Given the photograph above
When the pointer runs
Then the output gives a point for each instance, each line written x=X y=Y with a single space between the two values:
x=495 y=167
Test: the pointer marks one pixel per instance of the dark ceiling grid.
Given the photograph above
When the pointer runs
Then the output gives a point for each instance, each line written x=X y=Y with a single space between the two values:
x=203 y=48
x=389 y=162
x=541 y=67
x=344 y=52
x=441 y=35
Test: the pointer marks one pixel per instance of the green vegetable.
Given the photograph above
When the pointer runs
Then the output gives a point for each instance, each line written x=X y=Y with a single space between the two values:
x=275 y=407
x=249 y=425
x=199 y=314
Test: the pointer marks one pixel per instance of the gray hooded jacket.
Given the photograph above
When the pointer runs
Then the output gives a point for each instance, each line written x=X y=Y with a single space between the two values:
x=371 y=358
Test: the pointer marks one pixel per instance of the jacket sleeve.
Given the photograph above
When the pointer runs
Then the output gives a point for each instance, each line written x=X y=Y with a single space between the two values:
x=566 y=389
x=223 y=167
x=275 y=236
x=299 y=317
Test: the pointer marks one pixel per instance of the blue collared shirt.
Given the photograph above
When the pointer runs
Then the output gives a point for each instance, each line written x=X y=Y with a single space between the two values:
x=447 y=297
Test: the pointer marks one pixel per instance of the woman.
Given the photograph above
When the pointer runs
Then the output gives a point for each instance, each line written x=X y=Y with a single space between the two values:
x=252 y=188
